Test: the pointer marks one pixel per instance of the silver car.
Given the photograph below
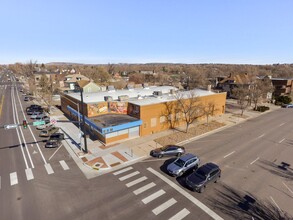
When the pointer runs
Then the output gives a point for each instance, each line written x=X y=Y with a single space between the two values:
x=183 y=164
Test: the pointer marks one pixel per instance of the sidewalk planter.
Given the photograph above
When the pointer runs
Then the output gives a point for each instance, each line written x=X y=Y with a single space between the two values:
x=261 y=108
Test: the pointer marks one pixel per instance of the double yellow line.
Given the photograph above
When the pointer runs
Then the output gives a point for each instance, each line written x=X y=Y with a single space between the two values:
x=1 y=104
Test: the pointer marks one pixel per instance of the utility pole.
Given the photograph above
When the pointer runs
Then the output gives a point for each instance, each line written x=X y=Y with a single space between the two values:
x=83 y=120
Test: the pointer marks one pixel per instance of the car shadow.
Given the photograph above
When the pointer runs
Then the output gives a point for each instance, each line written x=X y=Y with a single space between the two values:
x=182 y=179
x=164 y=166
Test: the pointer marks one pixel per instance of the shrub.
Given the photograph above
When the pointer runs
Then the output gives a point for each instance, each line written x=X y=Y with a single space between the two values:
x=262 y=108
x=283 y=100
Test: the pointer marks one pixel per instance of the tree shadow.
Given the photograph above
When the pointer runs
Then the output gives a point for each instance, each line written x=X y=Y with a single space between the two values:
x=243 y=205
x=283 y=169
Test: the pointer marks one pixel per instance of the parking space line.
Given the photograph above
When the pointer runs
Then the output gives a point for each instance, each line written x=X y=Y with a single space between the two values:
x=180 y=215
x=195 y=201
x=0 y=182
x=64 y=165
x=13 y=179
x=122 y=171
x=164 y=206
x=254 y=161
x=129 y=176
x=153 y=196
x=281 y=124
x=287 y=188
x=281 y=140
x=49 y=168
x=144 y=188
x=132 y=183
x=29 y=174
x=229 y=154
x=261 y=135
x=275 y=203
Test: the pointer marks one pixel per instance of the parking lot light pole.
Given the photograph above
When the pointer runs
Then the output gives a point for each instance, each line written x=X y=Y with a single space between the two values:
x=83 y=120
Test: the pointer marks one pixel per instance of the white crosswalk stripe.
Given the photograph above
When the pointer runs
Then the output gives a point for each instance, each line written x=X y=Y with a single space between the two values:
x=180 y=215
x=29 y=174
x=64 y=165
x=153 y=196
x=13 y=178
x=144 y=188
x=129 y=176
x=136 y=181
x=164 y=206
x=49 y=168
x=123 y=171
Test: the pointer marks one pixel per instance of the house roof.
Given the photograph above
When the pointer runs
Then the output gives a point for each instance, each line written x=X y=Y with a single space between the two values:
x=74 y=78
x=82 y=83
x=240 y=78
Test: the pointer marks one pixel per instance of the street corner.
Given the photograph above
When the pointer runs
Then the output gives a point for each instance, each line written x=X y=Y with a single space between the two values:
x=97 y=163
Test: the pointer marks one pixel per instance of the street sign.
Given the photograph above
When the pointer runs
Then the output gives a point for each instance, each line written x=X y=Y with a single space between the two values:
x=53 y=121
x=11 y=126
x=36 y=123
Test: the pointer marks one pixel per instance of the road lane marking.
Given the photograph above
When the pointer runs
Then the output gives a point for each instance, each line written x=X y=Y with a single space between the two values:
x=122 y=171
x=136 y=181
x=0 y=182
x=229 y=154
x=187 y=195
x=129 y=176
x=281 y=140
x=55 y=152
x=144 y=188
x=29 y=174
x=275 y=203
x=180 y=215
x=153 y=196
x=281 y=124
x=49 y=168
x=261 y=136
x=64 y=165
x=288 y=188
x=13 y=179
x=254 y=161
x=164 y=206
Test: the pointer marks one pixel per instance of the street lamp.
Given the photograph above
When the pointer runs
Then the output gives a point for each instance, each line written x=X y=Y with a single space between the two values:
x=83 y=119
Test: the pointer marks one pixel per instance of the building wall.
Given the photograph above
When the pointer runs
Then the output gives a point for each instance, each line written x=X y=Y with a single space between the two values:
x=154 y=120
x=72 y=102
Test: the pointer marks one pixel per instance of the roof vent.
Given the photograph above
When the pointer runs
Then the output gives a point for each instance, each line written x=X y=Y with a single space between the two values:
x=123 y=98
x=157 y=93
x=108 y=98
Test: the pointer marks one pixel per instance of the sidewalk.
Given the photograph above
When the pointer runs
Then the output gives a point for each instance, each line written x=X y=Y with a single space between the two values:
x=102 y=159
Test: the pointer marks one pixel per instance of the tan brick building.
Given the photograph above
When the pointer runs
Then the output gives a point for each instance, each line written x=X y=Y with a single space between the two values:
x=122 y=114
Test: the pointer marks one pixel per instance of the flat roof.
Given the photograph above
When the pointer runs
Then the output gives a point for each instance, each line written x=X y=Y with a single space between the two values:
x=140 y=96
x=110 y=120
x=95 y=97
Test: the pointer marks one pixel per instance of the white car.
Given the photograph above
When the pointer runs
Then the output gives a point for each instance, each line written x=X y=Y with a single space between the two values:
x=37 y=114
x=41 y=127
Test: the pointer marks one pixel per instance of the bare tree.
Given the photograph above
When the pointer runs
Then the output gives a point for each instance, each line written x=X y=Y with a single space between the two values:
x=189 y=105
x=259 y=90
x=242 y=95
x=171 y=113
x=209 y=110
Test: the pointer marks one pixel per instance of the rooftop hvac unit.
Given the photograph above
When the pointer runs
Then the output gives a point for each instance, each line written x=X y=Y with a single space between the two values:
x=145 y=85
x=172 y=91
x=123 y=98
x=108 y=98
x=111 y=88
x=130 y=87
x=157 y=93
x=139 y=97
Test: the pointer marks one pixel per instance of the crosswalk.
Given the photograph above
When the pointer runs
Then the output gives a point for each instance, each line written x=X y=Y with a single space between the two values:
x=29 y=173
x=152 y=195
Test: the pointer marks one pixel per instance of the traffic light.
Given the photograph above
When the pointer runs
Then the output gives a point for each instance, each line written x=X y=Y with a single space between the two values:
x=24 y=124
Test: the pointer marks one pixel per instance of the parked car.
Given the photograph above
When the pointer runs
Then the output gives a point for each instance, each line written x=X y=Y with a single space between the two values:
x=289 y=106
x=169 y=150
x=48 y=131
x=183 y=164
x=41 y=117
x=204 y=175
x=37 y=115
x=53 y=143
x=57 y=136
x=41 y=127
x=27 y=98
x=33 y=108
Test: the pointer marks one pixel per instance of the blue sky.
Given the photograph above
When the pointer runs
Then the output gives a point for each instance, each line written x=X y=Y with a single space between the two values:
x=142 y=31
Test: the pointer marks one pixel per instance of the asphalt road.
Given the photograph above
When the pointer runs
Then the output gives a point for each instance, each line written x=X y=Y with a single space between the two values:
x=34 y=183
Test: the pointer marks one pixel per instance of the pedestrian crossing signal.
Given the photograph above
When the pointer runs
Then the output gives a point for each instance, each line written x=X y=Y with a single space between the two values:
x=24 y=124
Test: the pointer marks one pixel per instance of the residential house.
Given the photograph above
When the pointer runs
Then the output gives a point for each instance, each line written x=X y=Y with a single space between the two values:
x=282 y=86
x=89 y=86
x=70 y=81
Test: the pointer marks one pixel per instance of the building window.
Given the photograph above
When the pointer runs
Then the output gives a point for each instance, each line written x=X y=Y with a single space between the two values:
x=162 y=119
x=153 y=122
